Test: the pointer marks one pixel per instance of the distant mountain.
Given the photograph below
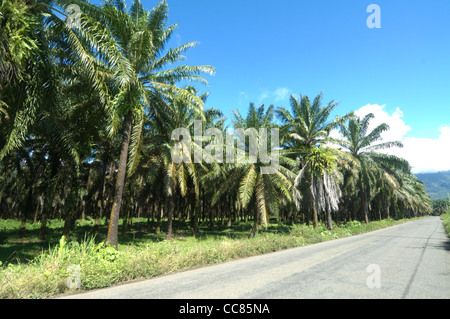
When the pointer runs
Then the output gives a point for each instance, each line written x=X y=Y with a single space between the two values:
x=438 y=184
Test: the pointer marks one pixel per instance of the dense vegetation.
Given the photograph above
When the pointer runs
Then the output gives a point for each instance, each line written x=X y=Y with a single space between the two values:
x=437 y=184
x=446 y=221
x=86 y=116
x=441 y=206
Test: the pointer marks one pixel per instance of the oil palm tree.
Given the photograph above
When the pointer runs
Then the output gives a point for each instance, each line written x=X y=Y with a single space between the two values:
x=323 y=180
x=246 y=180
x=140 y=37
x=307 y=124
x=35 y=35
x=122 y=50
x=43 y=101
x=161 y=150
x=17 y=44
x=305 y=130
x=362 y=146
x=412 y=196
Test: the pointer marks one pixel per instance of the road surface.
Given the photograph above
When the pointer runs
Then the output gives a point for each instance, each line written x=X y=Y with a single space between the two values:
x=410 y=260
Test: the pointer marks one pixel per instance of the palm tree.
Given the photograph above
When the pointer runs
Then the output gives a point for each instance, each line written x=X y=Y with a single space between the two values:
x=362 y=146
x=180 y=178
x=139 y=38
x=17 y=44
x=43 y=60
x=323 y=180
x=305 y=130
x=44 y=101
x=412 y=195
x=35 y=36
x=308 y=124
x=246 y=180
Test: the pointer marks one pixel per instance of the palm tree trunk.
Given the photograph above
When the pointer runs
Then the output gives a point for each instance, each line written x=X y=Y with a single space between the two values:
x=159 y=215
x=170 y=208
x=39 y=208
x=25 y=212
x=45 y=214
x=364 y=203
x=329 y=221
x=388 y=213
x=100 y=201
x=68 y=211
x=110 y=190
x=195 y=216
x=316 y=219
x=43 y=229
x=113 y=229
x=255 y=223
x=211 y=217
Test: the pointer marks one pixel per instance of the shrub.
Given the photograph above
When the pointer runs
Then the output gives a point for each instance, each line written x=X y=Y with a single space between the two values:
x=307 y=233
x=446 y=221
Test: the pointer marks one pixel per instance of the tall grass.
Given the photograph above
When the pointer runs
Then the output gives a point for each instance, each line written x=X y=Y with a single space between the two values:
x=48 y=274
x=446 y=221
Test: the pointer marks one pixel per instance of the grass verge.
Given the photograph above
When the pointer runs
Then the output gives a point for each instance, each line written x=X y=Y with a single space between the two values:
x=446 y=221
x=88 y=265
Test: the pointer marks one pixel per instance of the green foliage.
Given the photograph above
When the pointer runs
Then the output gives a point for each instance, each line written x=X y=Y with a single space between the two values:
x=307 y=234
x=380 y=175
x=321 y=159
x=108 y=253
x=446 y=221
x=441 y=206
x=16 y=42
x=100 y=266
x=437 y=184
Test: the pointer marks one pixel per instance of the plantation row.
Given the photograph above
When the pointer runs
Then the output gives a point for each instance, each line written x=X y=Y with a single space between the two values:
x=86 y=120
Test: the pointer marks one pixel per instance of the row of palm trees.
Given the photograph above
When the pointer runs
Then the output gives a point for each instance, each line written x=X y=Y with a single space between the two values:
x=86 y=121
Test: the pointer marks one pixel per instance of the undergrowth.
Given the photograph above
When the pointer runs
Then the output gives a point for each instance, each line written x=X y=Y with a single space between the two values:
x=71 y=265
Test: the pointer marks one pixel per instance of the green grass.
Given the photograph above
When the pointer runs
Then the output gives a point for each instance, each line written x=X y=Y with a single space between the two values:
x=446 y=221
x=41 y=270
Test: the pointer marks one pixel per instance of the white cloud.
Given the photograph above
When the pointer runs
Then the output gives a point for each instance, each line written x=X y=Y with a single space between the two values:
x=281 y=94
x=264 y=95
x=424 y=154
x=243 y=98
x=278 y=95
x=397 y=127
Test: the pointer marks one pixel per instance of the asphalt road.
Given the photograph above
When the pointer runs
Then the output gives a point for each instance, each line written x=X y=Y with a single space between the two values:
x=411 y=260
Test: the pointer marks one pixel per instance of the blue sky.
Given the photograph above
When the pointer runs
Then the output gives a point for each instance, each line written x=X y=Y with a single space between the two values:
x=304 y=47
x=263 y=51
